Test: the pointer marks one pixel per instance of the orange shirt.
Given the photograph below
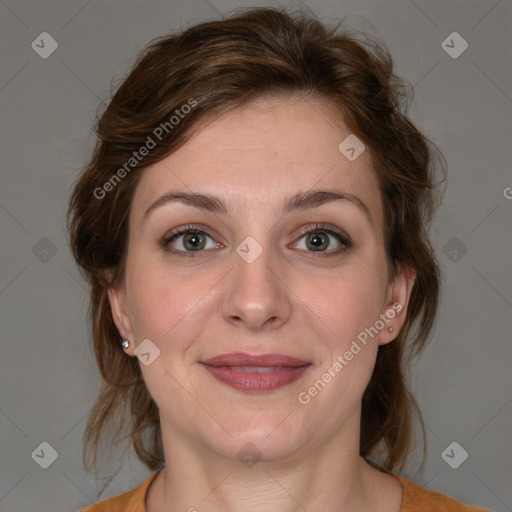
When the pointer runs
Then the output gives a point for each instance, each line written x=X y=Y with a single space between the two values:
x=415 y=499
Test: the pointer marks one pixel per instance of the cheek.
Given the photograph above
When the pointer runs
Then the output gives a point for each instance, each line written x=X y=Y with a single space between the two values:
x=348 y=301
x=350 y=307
x=164 y=304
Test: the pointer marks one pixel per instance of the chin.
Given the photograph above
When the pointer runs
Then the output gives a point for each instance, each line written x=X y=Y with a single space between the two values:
x=268 y=439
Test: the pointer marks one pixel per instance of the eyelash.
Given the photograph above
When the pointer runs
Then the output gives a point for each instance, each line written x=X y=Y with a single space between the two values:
x=341 y=238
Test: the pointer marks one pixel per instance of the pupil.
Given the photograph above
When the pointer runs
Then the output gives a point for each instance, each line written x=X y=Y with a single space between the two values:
x=317 y=242
x=194 y=240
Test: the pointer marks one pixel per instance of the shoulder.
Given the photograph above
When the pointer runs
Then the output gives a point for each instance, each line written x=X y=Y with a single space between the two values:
x=132 y=501
x=419 y=499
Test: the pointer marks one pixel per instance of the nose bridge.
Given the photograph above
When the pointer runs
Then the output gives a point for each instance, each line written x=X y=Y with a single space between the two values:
x=253 y=262
x=255 y=294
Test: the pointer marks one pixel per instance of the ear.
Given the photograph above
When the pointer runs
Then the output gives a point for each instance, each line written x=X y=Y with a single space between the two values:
x=396 y=303
x=120 y=311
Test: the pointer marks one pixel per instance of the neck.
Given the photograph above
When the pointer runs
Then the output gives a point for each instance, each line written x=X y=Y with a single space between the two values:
x=327 y=477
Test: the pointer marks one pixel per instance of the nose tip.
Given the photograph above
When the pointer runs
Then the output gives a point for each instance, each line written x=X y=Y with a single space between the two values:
x=254 y=296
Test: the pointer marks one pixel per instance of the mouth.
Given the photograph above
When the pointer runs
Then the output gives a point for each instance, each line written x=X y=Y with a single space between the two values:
x=256 y=374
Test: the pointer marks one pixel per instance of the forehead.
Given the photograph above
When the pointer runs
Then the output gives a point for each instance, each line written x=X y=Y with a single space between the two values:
x=255 y=154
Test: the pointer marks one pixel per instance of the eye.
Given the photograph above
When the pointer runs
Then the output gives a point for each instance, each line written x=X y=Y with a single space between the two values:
x=191 y=239
x=318 y=239
x=188 y=239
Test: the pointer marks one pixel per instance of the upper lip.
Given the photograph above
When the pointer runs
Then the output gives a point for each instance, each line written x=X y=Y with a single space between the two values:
x=243 y=359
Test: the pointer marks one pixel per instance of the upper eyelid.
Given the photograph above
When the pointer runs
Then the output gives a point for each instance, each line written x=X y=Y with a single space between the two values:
x=180 y=231
x=198 y=227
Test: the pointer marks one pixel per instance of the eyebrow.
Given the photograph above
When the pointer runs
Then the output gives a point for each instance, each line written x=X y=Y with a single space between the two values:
x=299 y=201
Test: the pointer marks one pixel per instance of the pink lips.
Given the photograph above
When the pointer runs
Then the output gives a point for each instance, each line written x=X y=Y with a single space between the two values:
x=255 y=373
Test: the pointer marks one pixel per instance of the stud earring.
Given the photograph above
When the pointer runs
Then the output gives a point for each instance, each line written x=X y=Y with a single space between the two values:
x=390 y=329
x=125 y=343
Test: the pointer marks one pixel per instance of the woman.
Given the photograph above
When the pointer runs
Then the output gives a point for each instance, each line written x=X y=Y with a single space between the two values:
x=253 y=224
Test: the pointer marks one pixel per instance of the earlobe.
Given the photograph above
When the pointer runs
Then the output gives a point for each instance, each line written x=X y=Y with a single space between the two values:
x=395 y=310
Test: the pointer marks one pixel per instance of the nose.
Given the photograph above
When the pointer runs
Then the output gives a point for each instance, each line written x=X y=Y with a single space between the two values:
x=256 y=296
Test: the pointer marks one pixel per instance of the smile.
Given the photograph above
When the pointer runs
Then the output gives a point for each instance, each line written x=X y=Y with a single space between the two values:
x=256 y=374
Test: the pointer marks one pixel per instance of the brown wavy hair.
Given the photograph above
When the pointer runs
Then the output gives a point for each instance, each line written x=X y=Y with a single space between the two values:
x=222 y=65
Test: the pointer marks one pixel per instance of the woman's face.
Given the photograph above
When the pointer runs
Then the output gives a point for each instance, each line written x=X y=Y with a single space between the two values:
x=252 y=278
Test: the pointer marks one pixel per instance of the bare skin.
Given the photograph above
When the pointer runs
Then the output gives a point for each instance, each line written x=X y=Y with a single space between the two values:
x=290 y=300
x=383 y=493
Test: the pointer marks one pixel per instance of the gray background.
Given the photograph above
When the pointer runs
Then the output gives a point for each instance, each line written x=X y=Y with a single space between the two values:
x=47 y=106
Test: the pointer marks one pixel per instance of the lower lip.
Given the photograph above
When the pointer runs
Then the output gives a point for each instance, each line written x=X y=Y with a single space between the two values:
x=255 y=382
